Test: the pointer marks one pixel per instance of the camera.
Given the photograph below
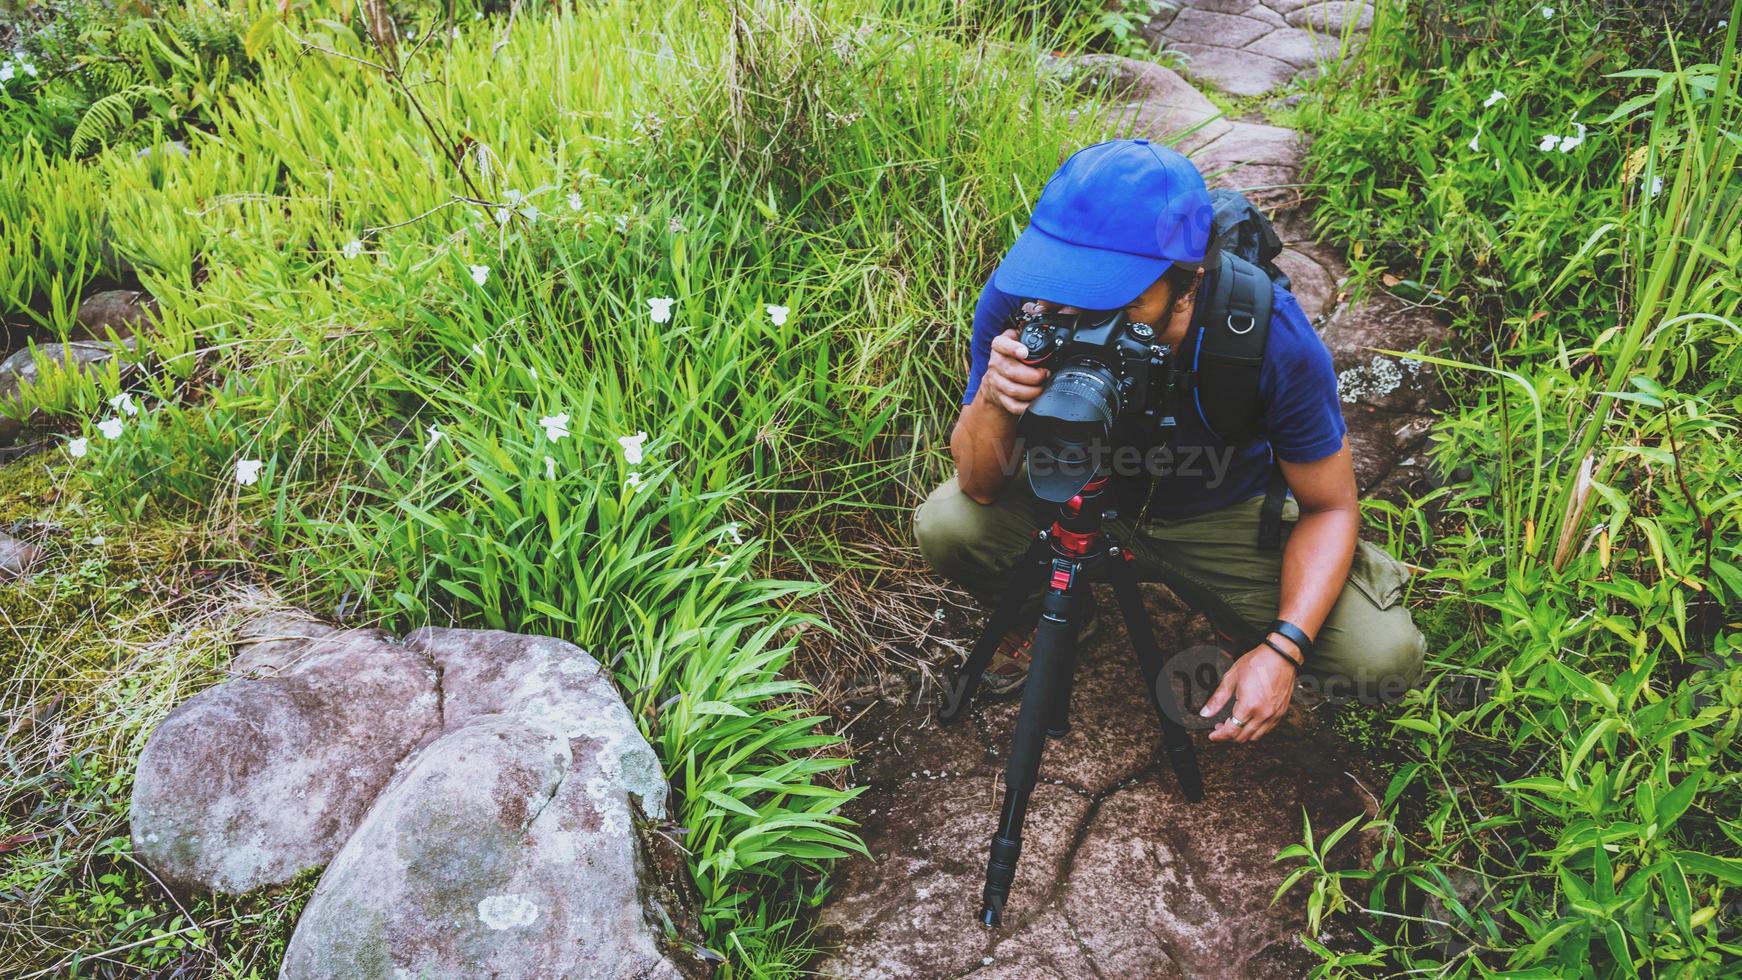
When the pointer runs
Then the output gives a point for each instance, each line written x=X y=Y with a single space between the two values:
x=1109 y=375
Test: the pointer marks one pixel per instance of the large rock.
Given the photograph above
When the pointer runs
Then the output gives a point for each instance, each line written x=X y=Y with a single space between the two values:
x=24 y=367
x=1357 y=332
x=483 y=798
x=117 y=313
x=17 y=558
x=1164 y=106
x=505 y=849
x=251 y=782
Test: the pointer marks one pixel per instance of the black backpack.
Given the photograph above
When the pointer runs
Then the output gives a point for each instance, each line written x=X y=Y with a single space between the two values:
x=1223 y=351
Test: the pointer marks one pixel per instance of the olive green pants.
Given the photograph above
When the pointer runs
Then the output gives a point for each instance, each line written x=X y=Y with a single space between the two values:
x=1368 y=648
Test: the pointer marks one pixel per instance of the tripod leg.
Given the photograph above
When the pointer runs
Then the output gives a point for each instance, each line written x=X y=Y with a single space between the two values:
x=1022 y=583
x=1176 y=741
x=1060 y=725
x=1053 y=640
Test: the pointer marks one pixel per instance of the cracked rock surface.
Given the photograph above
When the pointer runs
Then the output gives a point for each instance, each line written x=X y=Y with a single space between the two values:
x=1251 y=47
x=1120 y=876
x=476 y=796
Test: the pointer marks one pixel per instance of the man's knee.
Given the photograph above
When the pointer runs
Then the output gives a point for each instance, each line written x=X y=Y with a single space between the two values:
x=962 y=539
x=1377 y=664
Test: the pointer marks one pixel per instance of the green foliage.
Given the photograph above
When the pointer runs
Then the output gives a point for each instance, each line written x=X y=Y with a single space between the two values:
x=102 y=71
x=1569 y=801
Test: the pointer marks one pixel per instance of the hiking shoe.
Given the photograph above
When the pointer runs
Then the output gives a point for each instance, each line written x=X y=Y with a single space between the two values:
x=1008 y=671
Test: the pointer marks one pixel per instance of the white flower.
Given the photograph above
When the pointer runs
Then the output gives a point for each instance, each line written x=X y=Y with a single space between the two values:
x=1547 y=12
x=6 y=72
x=731 y=533
x=660 y=308
x=1568 y=142
x=555 y=426
x=622 y=223
x=549 y=468
x=435 y=436
x=479 y=273
x=575 y=201
x=777 y=315
x=502 y=215
x=1656 y=187
x=248 y=471
x=632 y=447
x=352 y=249
x=512 y=196
x=123 y=403
x=1548 y=142
x=1493 y=97
x=1474 y=145
x=30 y=67
x=529 y=212
x=77 y=447
x=477 y=349
x=110 y=428
x=633 y=481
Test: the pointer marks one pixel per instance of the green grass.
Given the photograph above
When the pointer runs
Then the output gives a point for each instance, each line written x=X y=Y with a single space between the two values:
x=1568 y=800
x=861 y=164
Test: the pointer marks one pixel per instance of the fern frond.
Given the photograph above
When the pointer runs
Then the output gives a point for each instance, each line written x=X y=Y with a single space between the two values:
x=108 y=116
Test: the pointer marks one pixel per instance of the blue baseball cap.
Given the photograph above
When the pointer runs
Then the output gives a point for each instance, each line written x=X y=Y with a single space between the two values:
x=1109 y=222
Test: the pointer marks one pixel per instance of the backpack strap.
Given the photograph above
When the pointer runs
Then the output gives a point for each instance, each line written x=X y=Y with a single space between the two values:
x=1270 y=514
x=1225 y=352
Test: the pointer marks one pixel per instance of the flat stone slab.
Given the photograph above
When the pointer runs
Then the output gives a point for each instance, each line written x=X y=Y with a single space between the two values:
x=1243 y=73
x=1248 y=48
x=1331 y=17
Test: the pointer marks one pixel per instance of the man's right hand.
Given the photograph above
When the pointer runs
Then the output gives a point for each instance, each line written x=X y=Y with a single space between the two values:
x=1009 y=384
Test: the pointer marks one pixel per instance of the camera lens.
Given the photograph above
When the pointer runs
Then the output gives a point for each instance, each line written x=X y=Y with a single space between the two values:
x=1068 y=427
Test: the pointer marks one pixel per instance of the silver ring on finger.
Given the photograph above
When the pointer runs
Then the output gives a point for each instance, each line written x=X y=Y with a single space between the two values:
x=1237 y=722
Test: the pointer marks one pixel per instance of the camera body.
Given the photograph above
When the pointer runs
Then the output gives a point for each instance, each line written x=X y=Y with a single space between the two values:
x=1107 y=371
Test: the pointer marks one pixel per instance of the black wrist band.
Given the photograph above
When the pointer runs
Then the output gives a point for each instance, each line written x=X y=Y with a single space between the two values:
x=1296 y=664
x=1295 y=635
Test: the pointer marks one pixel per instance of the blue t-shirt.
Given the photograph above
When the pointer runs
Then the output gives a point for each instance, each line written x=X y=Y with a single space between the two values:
x=1197 y=471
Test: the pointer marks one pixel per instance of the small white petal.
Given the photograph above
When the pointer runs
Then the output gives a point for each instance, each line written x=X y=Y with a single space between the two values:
x=549 y=468
x=575 y=202
x=555 y=426
x=352 y=249
x=632 y=447
x=633 y=481
x=777 y=315
x=732 y=533
x=1474 y=144
x=110 y=428
x=1568 y=142
x=435 y=436
x=502 y=215
x=479 y=273
x=1547 y=12
x=123 y=403
x=1493 y=97
x=1549 y=142
x=248 y=471
x=660 y=308
x=77 y=447
x=1656 y=186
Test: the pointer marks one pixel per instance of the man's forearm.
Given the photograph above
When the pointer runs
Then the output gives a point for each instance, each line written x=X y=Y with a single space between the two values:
x=984 y=447
x=1315 y=565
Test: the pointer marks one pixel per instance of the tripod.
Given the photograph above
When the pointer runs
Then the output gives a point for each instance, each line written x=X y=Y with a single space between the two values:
x=1056 y=561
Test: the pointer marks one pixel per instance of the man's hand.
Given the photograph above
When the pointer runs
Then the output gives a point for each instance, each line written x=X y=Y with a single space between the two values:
x=1008 y=383
x=1261 y=686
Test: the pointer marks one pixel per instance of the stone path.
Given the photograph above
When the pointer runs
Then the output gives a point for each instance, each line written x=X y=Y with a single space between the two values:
x=1250 y=47
x=1120 y=877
